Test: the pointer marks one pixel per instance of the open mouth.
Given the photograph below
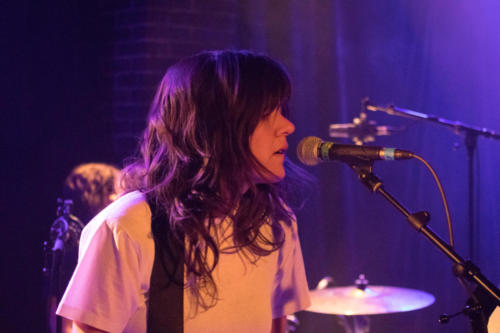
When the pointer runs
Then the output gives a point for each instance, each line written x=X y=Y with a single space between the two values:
x=280 y=152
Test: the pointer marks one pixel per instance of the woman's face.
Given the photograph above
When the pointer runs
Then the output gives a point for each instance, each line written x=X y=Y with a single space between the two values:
x=268 y=144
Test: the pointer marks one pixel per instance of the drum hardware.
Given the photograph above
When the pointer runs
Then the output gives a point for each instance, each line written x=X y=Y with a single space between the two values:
x=365 y=299
x=353 y=304
x=362 y=130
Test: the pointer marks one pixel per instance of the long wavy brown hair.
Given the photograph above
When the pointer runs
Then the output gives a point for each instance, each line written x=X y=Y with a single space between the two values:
x=195 y=158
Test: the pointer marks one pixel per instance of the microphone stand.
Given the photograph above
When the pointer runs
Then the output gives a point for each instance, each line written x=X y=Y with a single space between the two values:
x=461 y=268
x=59 y=231
x=470 y=142
x=64 y=231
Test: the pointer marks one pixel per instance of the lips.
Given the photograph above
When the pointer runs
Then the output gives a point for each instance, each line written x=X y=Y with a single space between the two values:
x=282 y=150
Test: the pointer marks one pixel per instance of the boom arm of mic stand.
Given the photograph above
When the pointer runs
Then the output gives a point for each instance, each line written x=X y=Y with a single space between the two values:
x=457 y=126
x=419 y=222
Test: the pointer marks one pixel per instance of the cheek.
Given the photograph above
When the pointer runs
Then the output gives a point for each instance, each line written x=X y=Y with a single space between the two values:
x=261 y=141
x=257 y=147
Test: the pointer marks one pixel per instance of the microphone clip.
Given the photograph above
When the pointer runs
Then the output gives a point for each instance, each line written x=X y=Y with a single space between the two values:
x=364 y=170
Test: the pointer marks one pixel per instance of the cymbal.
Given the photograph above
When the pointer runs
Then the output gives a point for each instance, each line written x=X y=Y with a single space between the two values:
x=353 y=301
x=361 y=130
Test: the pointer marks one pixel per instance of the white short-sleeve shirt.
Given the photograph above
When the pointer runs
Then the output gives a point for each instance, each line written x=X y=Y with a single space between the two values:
x=109 y=288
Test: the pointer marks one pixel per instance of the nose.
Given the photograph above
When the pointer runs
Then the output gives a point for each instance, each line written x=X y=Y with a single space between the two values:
x=286 y=126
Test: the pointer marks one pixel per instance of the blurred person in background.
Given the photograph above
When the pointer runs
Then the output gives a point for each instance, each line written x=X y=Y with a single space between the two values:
x=88 y=189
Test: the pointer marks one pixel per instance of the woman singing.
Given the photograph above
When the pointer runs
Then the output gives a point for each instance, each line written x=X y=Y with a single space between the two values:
x=205 y=217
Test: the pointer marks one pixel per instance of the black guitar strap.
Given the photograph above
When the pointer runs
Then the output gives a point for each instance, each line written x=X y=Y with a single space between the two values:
x=165 y=307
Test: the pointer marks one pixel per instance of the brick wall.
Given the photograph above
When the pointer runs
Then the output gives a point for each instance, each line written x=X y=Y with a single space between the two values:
x=150 y=36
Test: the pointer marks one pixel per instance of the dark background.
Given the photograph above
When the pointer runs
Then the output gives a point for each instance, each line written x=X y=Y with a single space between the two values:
x=78 y=77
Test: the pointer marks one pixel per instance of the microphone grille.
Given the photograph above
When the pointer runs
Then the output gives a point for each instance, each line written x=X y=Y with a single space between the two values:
x=307 y=150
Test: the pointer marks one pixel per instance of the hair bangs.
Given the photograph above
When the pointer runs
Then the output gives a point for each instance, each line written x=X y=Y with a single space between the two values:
x=275 y=86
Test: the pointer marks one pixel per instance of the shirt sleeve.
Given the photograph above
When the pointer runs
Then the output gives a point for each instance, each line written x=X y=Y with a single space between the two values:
x=494 y=321
x=291 y=292
x=104 y=289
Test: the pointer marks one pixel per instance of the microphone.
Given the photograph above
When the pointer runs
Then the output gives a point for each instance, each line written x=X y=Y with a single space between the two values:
x=312 y=150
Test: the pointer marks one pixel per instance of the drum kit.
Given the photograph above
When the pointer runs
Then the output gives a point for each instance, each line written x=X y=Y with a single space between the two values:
x=362 y=299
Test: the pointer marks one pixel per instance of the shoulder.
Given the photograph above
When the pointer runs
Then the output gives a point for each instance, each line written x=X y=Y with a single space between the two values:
x=130 y=214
